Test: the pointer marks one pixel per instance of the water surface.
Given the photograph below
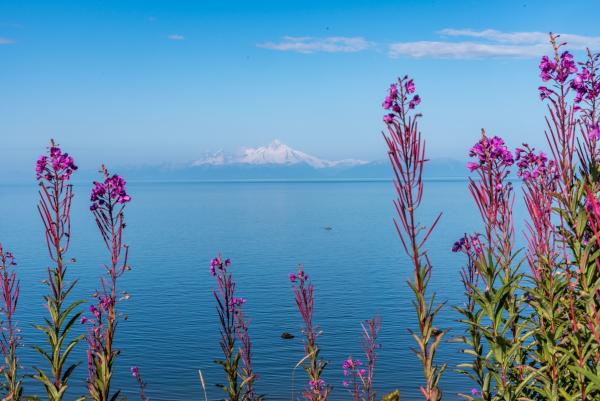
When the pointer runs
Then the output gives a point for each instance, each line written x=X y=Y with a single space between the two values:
x=266 y=228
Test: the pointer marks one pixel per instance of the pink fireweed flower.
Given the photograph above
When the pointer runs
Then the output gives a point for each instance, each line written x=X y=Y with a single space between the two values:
x=459 y=245
x=531 y=165
x=490 y=151
x=559 y=69
x=292 y=278
x=388 y=102
x=414 y=101
x=58 y=164
x=586 y=83
x=594 y=133
x=317 y=385
x=398 y=99
x=110 y=192
x=545 y=93
x=491 y=191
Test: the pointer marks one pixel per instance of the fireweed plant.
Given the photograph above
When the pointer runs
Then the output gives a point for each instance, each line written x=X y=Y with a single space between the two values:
x=493 y=297
x=53 y=172
x=10 y=339
x=359 y=378
x=135 y=372
x=233 y=330
x=534 y=337
x=108 y=200
x=571 y=95
x=316 y=389
x=406 y=150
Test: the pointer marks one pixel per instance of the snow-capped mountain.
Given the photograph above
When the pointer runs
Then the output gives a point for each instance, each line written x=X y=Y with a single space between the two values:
x=275 y=153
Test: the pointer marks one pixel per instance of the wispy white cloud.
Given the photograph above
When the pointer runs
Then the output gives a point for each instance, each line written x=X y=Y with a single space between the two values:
x=489 y=43
x=463 y=50
x=6 y=41
x=307 y=44
x=176 y=37
x=498 y=36
x=453 y=43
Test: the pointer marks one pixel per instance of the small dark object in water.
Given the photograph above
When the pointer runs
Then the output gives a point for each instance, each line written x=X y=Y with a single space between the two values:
x=287 y=336
x=328 y=228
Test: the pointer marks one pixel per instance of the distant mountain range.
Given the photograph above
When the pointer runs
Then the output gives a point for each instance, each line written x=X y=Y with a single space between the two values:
x=275 y=153
x=277 y=161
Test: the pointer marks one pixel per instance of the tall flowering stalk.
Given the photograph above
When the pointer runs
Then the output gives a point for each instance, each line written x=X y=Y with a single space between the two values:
x=475 y=369
x=53 y=172
x=406 y=151
x=501 y=323
x=10 y=339
x=233 y=329
x=359 y=379
x=317 y=389
x=108 y=199
x=546 y=296
x=578 y=259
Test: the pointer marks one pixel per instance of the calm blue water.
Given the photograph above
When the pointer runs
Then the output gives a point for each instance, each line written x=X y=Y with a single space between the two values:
x=174 y=229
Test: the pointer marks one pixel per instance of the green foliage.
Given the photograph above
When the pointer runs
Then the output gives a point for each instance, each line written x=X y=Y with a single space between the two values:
x=57 y=331
x=393 y=396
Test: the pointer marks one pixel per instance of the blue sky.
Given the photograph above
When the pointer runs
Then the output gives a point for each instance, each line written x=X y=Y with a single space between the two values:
x=132 y=82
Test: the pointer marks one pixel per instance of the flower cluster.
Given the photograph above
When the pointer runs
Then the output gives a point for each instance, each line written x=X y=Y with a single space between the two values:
x=8 y=259
x=56 y=164
x=586 y=83
x=400 y=99
x=594 y=132
x=468 y=244
x=237 y=301
x=98 y=312
x=317 y=385
x=557 y=70
x=533 y=166
x=351 y=367
x=109 y=192
x=301 y=275
x=350 y=364
x=491 y=152
x=218 y=264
